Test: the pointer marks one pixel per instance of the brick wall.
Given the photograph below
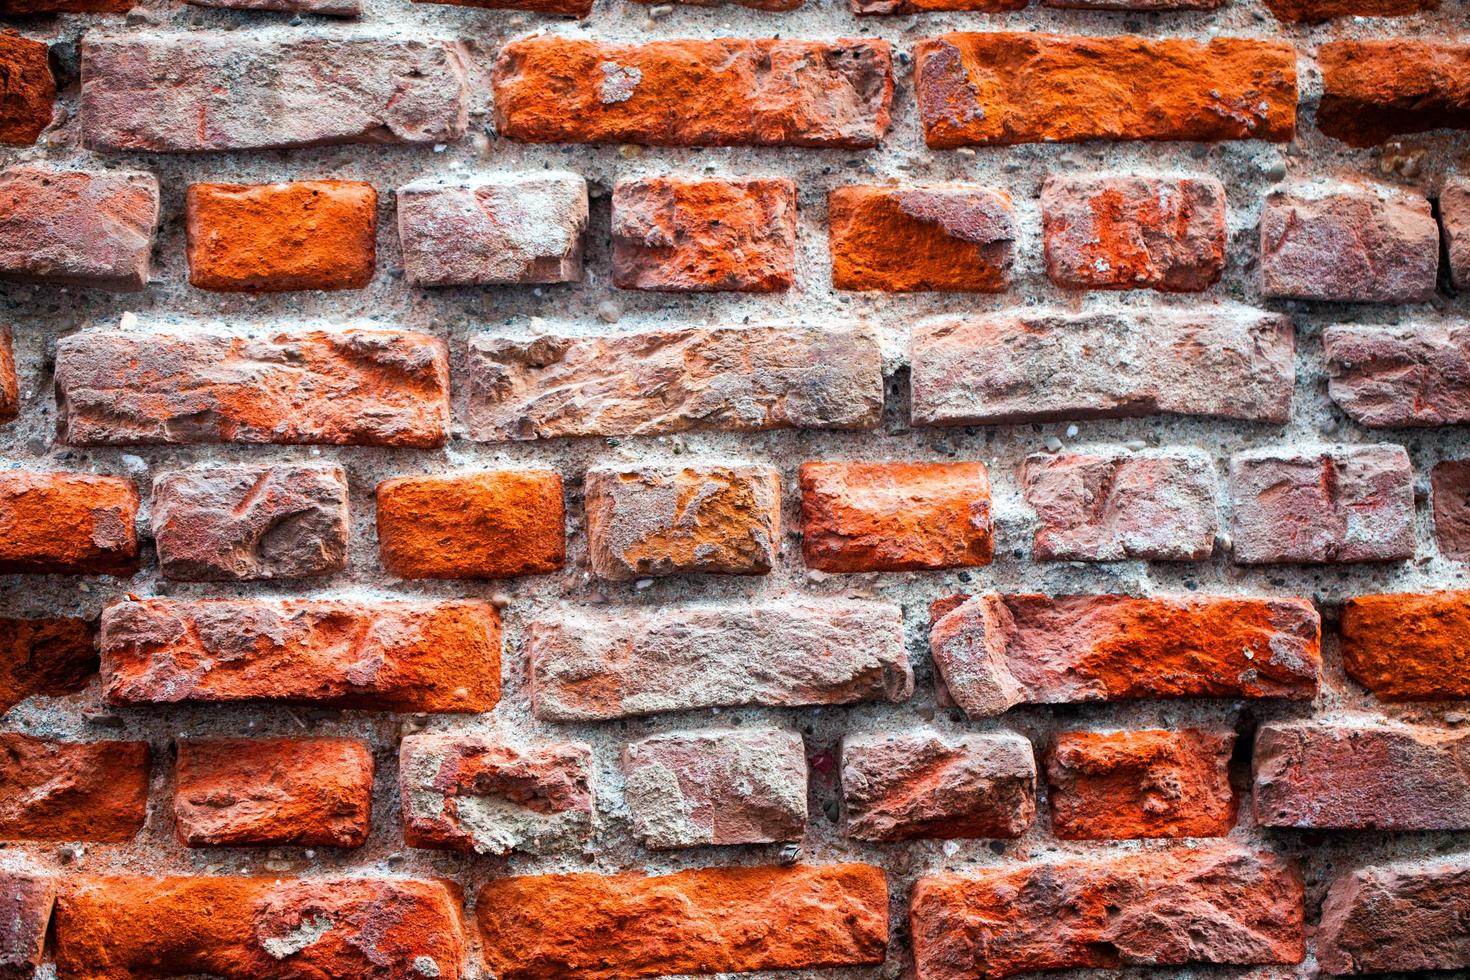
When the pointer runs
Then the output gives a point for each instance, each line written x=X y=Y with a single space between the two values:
x=611 y=490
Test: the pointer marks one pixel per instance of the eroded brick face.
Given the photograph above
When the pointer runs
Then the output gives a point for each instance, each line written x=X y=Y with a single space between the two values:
x=28 y=93
x=67 y=523
x=1407 y=646
x=951 y=237
x=82 y=791
x=1377 y=88
x=1400 y=916
x=85 y=228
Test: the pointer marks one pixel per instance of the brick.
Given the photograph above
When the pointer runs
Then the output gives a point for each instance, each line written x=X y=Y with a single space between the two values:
x=1373 y=90
x=81 y=791
x=483 y=795
x=569 y=8
x=1115 y=506
x=269 y=238
x=1454 y=225
x=380 y=656
x=27 y=90
x=162 y=92
x=1140 y=784
x=472 y=525
x=169 y=386
x=9 y=383
x=92 y=229
x=718 y=786
x=1399 y=376
x=494 y=230
x=707 y=920
x=1136 y=5
x=918 y=784
x=951 y=237
x=1317 y=11
x=893 y=517
x=997 y=651
x=1406 y=916
x=1337 y=504
x=654 y=521
x=724 y=92
x=25 y=8
x=1222 y=904
x=327 y=8
x=910 y=7
x=1157 y=233
x=1450 y=481
x=732 y=380
x=50 y=657
x=28 y=900
x=1004 y=88
x=126 y=927
x=678 y=235
x=1361 y=776
x=587 y=666
x=67 y=524
x=243 y=523
x=1049 y=366
x=308 y=792
x=1408 y=646
x=1356 y=245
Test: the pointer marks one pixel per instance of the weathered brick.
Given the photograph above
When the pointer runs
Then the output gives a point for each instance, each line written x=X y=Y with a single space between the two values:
x=772 y=5
x=67 y=523
x=1155 y=505
x=88 y=228
x=384 y=656
x=27 y=900
x=723 y=92
x=1450 y=481
x=995 y=651
x=1454 y=226
x=1408 y=646
x=1222 y=904
x=27 y=90
x=1157 y=233
x=1350 y=245
x=708 y=920
x=9 y=383
x=907 y=785
x=162 y=386
x=285 y=791
x=483 y=795
x=875 y=517
x=327 y=8
x=1131 y=784
x=240 y=523
x=1316 y=11
x=131 y=927
x=49 y=657
x=23 y=8
x=1002 y=88
x=495 y=229
x=1394 y=376
x=241 y=90
x=663 y=520
x=570 y=8
x=1337 y=504
x=952 y=237
x=1361 y=776
x=621 y=663
x=83 y=791
x=910 y=7
x=472 y=525
x=268 y=238
x=1045 y=366
x=1375 y=89
x=1136 y=5
x=1406 y=916
x=737 y=379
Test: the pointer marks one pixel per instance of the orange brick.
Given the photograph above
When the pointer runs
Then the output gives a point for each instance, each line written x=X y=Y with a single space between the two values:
x=953 y=237
x=1316 y=11
x=84 y=791
x=27 y=89
x=9 y=386
x=1372 y=90
x=44 y=656
x=67 y=523
x=1409 y=646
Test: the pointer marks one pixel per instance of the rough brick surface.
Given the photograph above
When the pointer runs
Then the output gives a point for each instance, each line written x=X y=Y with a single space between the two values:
x=1404 y=916
x=1394 y=376
x=489 y=796
x=9 y=382
x=27 y=90
x=80 y=791
x=1129 y=784
x=571 y=8
x=332 y=8
x=950 y=237
x=1377 y=88
x=24 y=8
x=67 y=523
x=88 y=228
x=709 y=920
x=1450 y=481
x=905 y=7
x=49 y=657
x=1454 y=226
x=1316 y=11
x=27 y=901
x=1408 y=646
x=720 y=786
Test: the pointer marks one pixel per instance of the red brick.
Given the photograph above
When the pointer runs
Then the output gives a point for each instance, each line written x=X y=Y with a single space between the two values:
x=288 y=791
x=1135 y=5
x=1399 y=376
x=27 y=90
x=569 y=8
x=472 y=525
x=724 y=92
x=128 y=928
x=82 y=791
x=877 y=517
x=68 y=524
x=1408 y=646
x=708 y=920
x=997 y=651
x=325 y=8
x=162 y=92
x=1003 y=88
x=1375 y=89
x=952 y=237
x=28 y=900
x=9 y=383
x=909 y=7
x=679 y=235
x=1221 y=904
x=77 y=228
x=1450 y=480
x=313 y=234
x=483 y=795
x=1408 y=916
x=655 y=521
x=21 y=8
x=1134 y=232
x=1454 y=226
x=165 y=386
x=1125 y=785
x=1316 y=11
x=383 y=656
x=49 y=657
